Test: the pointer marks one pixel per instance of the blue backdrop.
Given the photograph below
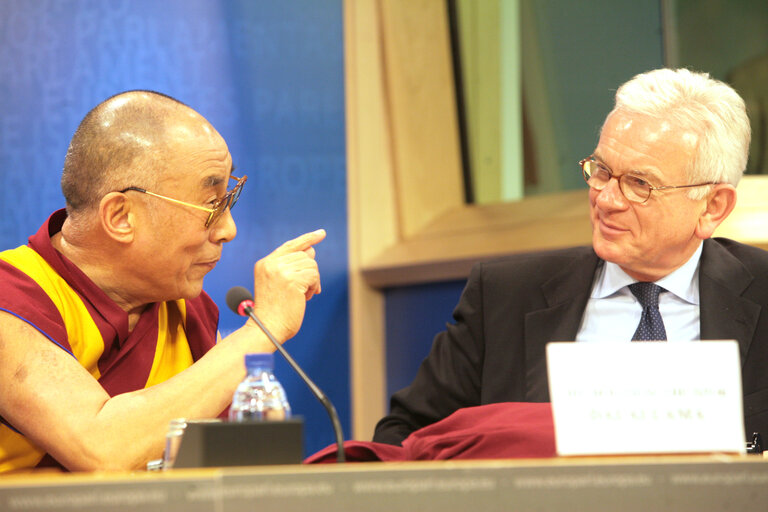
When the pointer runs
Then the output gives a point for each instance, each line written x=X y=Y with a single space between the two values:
x=268 y=75
x=414 y=314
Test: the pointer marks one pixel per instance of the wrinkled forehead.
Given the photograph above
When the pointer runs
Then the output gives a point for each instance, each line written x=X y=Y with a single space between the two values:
x=203 y=159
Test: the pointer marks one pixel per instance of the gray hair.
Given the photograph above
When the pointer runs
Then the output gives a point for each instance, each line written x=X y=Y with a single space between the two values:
x=695 y=102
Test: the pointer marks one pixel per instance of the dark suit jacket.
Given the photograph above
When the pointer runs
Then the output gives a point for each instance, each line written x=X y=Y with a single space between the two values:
x=512 y=307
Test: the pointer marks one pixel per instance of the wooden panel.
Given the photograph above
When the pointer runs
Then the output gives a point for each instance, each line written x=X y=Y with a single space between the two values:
x=403 y=160
x=748 y=222
x=422 y=109
x=449 y=247
x=371 y=215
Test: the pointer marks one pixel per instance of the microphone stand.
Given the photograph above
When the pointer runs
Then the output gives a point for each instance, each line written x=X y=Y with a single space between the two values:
x=330 y=409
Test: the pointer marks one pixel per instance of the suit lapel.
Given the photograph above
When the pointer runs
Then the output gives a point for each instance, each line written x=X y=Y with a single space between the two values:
x=566 y=294
x=724 y=313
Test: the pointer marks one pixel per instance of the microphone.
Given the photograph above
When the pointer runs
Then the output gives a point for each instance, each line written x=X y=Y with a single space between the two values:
x=240 y=301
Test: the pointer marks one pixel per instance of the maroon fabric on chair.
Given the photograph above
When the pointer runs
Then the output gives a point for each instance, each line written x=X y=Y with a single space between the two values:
x=495 y=431
x=358 y=451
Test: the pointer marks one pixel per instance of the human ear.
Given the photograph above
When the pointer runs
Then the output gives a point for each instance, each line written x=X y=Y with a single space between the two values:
x=117 y=219
x=720 y=203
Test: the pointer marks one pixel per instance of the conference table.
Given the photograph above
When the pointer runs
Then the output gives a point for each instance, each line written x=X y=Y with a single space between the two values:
x=714 y=482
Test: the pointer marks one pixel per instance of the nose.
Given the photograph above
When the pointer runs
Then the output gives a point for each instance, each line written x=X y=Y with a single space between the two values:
x=225 y=229
x=611 y=197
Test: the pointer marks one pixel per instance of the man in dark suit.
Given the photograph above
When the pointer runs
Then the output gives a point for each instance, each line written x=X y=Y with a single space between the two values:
x=661 y=179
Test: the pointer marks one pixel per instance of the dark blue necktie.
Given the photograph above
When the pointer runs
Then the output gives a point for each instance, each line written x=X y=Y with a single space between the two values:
x=651 y=326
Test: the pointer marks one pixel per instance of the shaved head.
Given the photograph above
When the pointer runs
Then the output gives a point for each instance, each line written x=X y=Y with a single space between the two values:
x=123 y=142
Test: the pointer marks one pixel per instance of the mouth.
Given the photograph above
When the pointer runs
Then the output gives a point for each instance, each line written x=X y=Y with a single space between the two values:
x=608 y=228
x=211 y=264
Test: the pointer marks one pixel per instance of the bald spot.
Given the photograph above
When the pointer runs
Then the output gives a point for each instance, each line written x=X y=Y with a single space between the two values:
x=125 y=141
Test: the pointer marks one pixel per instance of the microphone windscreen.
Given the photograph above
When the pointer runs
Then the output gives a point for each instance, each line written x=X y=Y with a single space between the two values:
x=235 y=296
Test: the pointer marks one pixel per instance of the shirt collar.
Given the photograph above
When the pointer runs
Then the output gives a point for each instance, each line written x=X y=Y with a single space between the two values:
x=683 y=282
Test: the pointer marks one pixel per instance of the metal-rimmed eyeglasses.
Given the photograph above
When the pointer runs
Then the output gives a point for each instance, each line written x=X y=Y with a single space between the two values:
x=635 y=188
x=219 y=206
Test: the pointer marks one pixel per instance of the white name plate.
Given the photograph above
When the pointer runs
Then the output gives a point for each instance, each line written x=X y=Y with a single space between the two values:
x=634 y=398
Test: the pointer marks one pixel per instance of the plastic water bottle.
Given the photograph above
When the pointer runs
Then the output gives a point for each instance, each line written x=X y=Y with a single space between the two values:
x=260 y=396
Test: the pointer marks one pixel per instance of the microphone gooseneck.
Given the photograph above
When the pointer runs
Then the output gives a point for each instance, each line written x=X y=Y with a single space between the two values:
x=240 y=300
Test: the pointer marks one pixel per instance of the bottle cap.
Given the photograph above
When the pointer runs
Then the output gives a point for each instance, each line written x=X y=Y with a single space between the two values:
x=259 y=360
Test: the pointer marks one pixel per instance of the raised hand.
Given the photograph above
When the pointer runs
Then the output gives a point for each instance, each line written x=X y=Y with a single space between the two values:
x=283 y=282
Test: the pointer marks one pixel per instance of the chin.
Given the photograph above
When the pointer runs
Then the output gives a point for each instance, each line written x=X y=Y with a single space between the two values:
x=193 y=295
x=608 y=251
x=192 y=291
x=634 y=267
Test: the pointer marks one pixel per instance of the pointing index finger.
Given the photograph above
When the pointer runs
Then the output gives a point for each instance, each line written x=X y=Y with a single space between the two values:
x=303 y=242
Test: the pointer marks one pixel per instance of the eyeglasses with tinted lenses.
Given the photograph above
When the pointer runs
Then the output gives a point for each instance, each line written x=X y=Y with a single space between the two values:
x=635 y=188
x=228 y=201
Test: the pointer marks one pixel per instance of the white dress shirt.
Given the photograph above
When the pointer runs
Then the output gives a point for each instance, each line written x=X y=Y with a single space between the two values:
x=612 y=312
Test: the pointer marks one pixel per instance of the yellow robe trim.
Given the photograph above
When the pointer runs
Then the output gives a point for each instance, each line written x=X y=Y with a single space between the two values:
x=172 y=353
x=77 y=320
